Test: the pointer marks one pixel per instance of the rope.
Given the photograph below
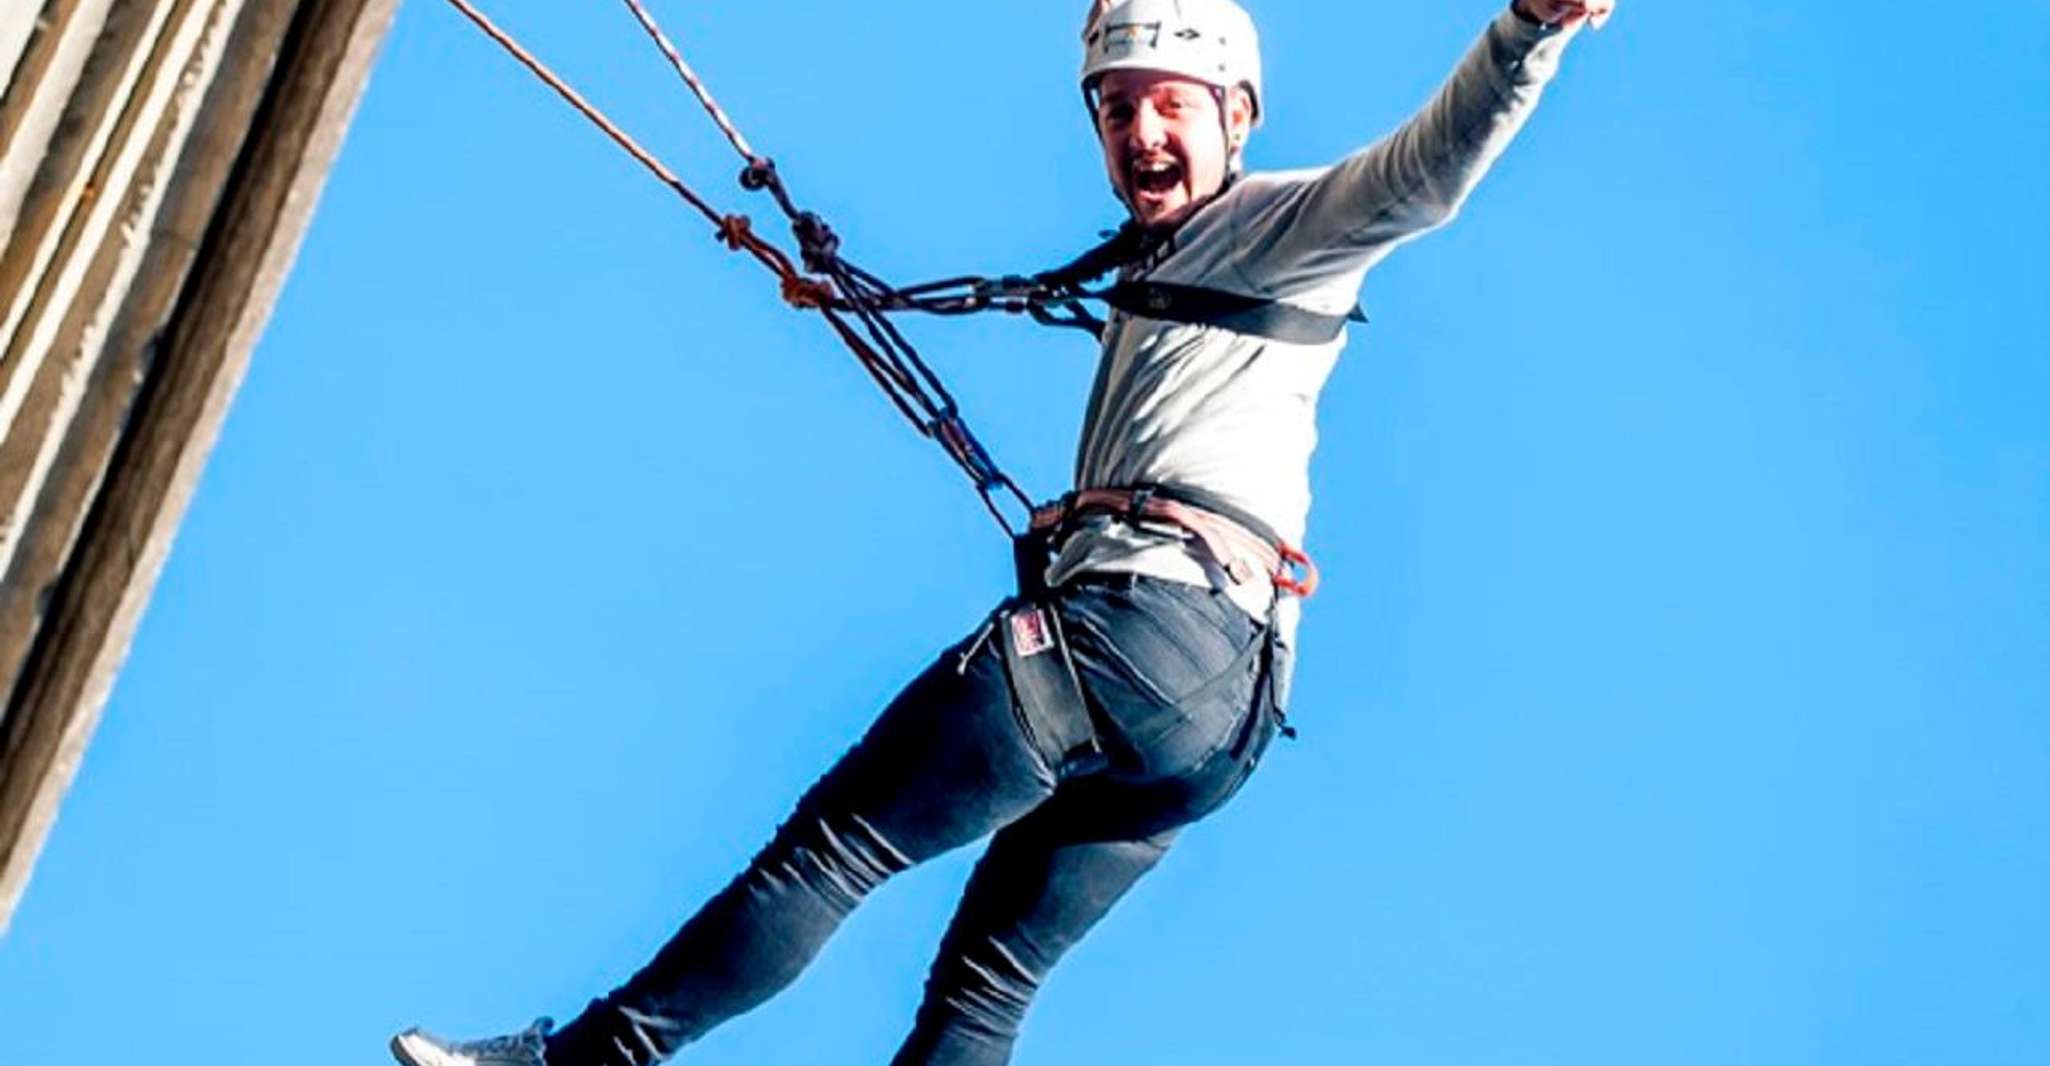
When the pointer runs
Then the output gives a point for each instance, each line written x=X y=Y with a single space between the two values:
x=597 y=117
x=691 y=79
x=799 y=291
x=853 y=302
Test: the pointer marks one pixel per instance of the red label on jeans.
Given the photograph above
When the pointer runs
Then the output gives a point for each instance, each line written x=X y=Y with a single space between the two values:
x=1031 y=632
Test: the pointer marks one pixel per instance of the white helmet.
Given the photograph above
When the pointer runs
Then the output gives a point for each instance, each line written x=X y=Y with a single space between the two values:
x=1212 y=41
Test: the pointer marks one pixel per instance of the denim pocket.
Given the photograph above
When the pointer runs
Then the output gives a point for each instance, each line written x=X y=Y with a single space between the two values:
x=1170 y=666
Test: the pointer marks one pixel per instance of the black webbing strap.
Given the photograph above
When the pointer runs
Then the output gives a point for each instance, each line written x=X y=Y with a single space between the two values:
x=1048 y=691
x=1256 y=316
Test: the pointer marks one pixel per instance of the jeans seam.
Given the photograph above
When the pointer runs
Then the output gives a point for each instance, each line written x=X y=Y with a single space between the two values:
x=1110 y=648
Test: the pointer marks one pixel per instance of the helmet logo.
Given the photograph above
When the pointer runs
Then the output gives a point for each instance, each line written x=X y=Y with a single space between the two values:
x=1131 y=35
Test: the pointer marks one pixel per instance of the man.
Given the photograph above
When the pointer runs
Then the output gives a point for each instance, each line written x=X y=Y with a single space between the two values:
x=1170 y=596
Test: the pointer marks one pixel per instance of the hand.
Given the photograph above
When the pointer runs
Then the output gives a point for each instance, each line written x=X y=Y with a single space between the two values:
x=1566 y=12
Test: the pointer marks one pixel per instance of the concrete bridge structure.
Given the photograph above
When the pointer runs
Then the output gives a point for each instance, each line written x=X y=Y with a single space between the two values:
x=159 y=162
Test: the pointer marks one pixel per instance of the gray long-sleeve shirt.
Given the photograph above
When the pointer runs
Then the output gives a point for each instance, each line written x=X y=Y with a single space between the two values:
x=1235 y=415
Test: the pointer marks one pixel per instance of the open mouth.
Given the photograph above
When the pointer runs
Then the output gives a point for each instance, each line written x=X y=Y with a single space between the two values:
x=1155 y=177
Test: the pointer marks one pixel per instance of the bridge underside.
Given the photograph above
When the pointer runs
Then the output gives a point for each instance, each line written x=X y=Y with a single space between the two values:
x=159 y=162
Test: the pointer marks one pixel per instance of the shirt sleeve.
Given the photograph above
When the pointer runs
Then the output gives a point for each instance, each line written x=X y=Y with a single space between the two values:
x=1303 y=229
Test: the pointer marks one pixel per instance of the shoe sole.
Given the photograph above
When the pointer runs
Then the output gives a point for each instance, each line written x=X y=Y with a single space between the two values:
x=399 y=1052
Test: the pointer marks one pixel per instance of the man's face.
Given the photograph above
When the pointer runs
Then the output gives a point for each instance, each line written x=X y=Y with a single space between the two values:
x=1165 y=142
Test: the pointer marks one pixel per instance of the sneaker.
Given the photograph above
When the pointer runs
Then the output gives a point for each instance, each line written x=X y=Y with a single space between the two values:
x=415 y=1048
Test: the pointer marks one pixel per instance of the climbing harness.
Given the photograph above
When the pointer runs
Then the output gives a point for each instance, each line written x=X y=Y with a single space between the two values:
x=856 y=304
x=1240 y=545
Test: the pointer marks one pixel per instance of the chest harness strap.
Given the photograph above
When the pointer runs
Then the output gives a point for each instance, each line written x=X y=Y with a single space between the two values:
x=1253 y=315
x=1193 y=305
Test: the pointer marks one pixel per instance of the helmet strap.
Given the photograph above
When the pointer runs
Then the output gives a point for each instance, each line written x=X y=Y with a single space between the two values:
x=1231 y=155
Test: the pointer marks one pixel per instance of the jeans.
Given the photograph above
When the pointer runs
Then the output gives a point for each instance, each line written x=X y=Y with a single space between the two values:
x=1183 y=695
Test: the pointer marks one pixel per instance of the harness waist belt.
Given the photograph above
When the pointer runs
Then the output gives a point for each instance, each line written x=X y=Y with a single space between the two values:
x=1244 y=547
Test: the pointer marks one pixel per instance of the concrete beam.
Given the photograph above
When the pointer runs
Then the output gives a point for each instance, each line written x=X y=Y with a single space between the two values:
x=157 y=215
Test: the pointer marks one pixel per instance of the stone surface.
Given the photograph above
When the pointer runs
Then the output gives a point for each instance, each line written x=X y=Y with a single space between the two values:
x=159 y=162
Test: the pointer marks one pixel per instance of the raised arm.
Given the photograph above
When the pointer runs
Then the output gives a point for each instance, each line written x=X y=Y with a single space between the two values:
x=1415 y=178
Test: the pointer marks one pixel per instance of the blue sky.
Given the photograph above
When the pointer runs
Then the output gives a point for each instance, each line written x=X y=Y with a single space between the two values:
x=1677 y=694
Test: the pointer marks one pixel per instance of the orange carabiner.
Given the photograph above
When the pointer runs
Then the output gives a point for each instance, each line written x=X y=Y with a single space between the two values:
x=1294 y=561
